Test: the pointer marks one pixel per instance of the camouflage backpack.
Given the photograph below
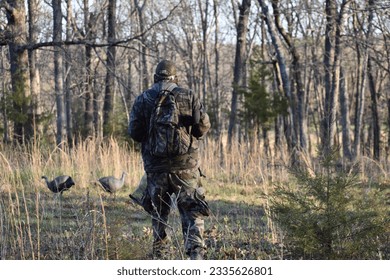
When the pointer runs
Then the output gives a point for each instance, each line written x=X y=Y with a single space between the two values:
x=167 y=136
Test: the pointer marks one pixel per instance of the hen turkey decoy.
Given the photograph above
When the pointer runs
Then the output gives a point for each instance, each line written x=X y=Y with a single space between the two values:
x=59 y=184
x=111 y=184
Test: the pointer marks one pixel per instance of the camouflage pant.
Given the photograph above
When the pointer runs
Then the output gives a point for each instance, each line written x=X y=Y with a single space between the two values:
x=190 y=203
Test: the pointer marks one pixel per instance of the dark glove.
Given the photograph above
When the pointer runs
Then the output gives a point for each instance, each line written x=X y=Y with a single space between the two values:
x=196 y=116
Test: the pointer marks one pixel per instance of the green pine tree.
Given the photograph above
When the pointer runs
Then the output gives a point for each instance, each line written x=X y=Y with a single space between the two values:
x=331 y=214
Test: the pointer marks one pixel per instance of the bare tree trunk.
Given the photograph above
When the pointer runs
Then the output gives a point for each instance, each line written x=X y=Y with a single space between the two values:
x=345 y=122
x=3 y=103
x=130 y=85
x=336 y=72
x=68 y=76
x=33 y=12
x=360 y=98
x=17 y=32
x=58 y=71
x=216 y=94
x=374 y=109
x=328 y=124
x=238 y=65
x=300 y=104
x=89 y=108
x=282 y=78
x=144 y=49
x=204 y=20
x=108 y=107
x=216 y=108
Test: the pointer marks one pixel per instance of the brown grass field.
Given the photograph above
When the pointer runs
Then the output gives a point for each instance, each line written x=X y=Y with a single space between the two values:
x=86 y=223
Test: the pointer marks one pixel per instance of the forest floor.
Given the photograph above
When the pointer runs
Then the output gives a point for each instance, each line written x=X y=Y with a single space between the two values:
x=87 y=223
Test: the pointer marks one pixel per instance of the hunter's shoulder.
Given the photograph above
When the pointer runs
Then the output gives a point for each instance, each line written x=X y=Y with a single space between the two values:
x=184 y=95
x=146 y=97
x=182 y=89
x=184 y=92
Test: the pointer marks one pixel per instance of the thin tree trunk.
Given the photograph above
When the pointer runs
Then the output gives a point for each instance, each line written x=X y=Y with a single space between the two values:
x=238 y=65
x=98 y=101
x=282 y=78
x=58 y=71
x=345 y=122
x=374 y=109
x=130 y=85
x=33 y=12
x=216 y=108
x=108 y=107
x=89 y=108
x=143 y=43
x=301 y=119
x=328 y=125
x=3 y=103
x=336 y=68
x=68 y=75
x=362 y=85
x=204 y=20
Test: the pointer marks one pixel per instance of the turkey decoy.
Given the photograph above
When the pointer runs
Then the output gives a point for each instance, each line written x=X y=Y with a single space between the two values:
x=111 y=184
x=59 y=184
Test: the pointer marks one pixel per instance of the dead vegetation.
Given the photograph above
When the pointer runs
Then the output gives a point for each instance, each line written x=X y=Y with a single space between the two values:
x=87 y=223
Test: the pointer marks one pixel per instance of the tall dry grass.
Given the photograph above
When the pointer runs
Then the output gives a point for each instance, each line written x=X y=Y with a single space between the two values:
x=88 y=224
x=35 y=223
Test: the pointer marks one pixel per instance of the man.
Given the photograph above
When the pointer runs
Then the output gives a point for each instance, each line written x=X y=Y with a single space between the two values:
x=169 y=174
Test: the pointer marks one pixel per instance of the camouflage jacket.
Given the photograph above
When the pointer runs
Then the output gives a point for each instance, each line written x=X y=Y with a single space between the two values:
x=191 y=114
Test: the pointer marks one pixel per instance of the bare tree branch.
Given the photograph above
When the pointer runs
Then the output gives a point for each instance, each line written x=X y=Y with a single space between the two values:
x=118 y=43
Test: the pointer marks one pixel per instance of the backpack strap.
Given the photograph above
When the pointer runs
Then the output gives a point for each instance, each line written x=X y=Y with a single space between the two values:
x=161 y=97
x=171 y=87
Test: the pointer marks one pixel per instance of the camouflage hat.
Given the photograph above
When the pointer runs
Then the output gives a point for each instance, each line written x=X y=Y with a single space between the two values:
x=166 y=68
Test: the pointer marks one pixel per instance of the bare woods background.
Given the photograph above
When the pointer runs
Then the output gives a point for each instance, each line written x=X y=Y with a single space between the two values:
x=311 y=73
